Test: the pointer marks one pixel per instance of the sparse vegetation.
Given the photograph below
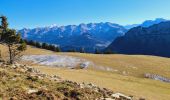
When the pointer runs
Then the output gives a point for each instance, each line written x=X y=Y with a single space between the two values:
x=12 y=40
x=19 y=82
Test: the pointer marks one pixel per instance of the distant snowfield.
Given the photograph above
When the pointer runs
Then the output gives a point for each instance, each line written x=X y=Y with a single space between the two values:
x=63 y=61
x=57 y=60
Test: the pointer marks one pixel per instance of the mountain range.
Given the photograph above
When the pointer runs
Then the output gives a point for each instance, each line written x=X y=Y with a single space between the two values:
x=153 y=40
x=88 y=36
x=146 y=23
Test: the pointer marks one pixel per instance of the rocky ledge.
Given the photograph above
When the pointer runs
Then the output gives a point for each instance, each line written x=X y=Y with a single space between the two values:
x=22 y=82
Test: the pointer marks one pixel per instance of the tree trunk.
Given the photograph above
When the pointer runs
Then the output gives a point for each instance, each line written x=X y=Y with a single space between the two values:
x=0 y=54
x=10 y=54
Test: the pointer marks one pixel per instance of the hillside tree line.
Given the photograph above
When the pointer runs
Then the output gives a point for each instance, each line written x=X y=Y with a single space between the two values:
x=43 y=45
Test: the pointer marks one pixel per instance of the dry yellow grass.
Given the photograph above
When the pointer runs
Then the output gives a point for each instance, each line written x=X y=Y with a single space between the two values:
x=3 y=51
x=138 y=87
x=134 y=65
x=133 y=84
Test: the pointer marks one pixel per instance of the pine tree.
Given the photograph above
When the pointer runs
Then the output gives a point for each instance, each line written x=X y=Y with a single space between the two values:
x=4 y=23
x=23 y=46
x=108 y=52
x=44 y=45
x=72 y=50
x=47 y=47
x=57 y=49
x=26 y=41
x=52 y=48
x=3 y=26
x=82 y=50
x=38 y=45
x=97 y=51
x=33 y=43
x=13 y=41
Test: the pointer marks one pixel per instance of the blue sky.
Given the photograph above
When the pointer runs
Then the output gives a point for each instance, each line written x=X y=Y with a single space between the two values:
x=33 y=13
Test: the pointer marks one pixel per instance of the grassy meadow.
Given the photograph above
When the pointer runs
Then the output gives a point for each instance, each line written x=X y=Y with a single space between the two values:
x=133 y=83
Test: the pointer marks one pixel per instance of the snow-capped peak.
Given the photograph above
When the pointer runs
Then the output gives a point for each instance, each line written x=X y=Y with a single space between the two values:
x=53 y=25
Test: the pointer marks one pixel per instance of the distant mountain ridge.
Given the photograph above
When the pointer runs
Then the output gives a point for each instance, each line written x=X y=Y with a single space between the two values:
x=88 y=36
x=153 y=40
x=147 y=23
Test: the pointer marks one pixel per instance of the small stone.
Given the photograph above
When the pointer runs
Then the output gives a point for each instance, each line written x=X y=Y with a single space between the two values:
x=84 y=65
x=30 y=91
x=120 y=96
x=107 y=99
x=13 y=66
x=13 y=98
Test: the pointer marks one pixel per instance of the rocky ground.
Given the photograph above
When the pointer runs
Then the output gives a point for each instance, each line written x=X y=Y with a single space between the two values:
x=21 y=82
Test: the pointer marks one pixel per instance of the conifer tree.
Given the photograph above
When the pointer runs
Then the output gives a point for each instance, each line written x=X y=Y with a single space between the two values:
x=72 y=50
x=44 y=45
x=82 y=50
x=50 y=47
x=38 y=45
x=26 y=41
x=108 y=52
x=57 y=49
x=4 y=23
x=53 y=48
x=33 y=43
x=12 y=40
x=97 y=51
